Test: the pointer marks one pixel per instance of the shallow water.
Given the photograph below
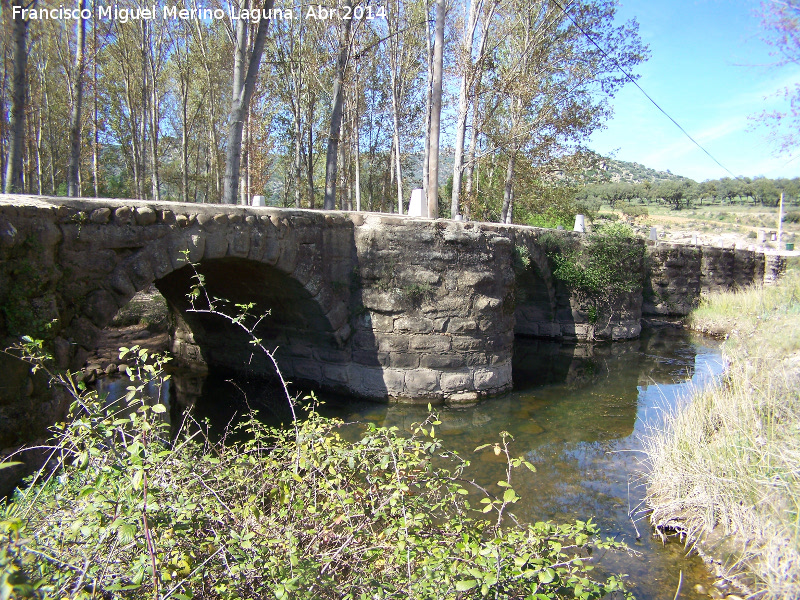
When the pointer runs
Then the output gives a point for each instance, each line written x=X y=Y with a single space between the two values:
x=578 y=413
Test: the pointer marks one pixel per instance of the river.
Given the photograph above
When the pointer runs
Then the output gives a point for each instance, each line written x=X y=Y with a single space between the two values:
x=578 y=413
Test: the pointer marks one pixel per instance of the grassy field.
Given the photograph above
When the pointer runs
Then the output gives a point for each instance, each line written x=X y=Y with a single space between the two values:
x=729 y=461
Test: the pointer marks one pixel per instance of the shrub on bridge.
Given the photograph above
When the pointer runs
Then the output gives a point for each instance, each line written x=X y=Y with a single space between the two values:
x=130 y=511
x=600 y=268
x=607 y=263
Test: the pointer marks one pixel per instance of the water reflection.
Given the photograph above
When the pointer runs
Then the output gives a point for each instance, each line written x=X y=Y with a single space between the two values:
x=578 y=412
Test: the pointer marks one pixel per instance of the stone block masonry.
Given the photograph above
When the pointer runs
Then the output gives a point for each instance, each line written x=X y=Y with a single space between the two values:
x=377 y=306
x=677 y=275
x=372 y=305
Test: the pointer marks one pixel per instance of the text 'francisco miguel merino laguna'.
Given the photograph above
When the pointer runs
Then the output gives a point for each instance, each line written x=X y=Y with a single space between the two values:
x=146 y=13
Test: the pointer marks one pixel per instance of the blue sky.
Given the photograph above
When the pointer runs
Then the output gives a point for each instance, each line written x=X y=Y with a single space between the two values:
x=710 y=70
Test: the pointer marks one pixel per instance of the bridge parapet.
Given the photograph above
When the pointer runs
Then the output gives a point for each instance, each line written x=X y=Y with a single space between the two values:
x=678 y=274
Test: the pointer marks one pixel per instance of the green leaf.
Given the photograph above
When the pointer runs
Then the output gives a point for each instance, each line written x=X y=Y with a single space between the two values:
x=12 y=463
x=126 y=533
x=547 y=576
x=466 y=584
x=159 y=408
x=510 y=496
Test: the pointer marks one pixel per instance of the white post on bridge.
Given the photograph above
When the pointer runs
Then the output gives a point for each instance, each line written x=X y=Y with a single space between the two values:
x=418 y=206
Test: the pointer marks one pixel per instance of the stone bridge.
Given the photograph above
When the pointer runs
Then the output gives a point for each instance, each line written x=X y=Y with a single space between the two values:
x=373 y=305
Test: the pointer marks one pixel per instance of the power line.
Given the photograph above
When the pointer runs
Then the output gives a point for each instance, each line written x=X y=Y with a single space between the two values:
x=633 y=81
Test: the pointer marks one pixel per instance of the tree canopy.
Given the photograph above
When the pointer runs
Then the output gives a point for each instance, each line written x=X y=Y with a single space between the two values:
x=155 y=108
x=781 y=23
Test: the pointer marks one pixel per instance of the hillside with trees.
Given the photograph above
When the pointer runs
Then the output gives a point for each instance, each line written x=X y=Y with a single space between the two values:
x=620 y=171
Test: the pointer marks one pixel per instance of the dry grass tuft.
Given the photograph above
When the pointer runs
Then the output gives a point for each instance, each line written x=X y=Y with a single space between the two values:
x=729 y=461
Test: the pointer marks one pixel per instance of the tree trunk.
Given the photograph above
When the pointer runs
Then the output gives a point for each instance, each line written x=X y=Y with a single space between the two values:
x=458 y=158
x=471 y=79
x=154 y=125
x=244 y=181
x=3 y=95
x=13 y=180
x=184 y=137
x=243 y=86
x=342 y=165
x=508 y=193
x=426 y=158
x=310 y=153
x=396 y=136
x=95 y=133
x=39 y=126
x=392 y=164
x=336 y=115
x=473 y=145
x=73 y=187
x=50 y=136
x=213 y=167
x=145 y=89
x=436 y=111
x=298 y=144
x=233 y=155
x=463 y=103
x=357 y=153
x=396 y=63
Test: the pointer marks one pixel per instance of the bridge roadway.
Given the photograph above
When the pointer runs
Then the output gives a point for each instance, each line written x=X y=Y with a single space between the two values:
x=373 y=305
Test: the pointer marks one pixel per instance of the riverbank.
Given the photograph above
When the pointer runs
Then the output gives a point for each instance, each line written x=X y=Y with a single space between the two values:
x=144 y=321
x=724 y=470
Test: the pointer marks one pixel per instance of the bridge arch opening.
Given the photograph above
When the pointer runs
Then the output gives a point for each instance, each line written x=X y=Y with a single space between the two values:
x=535 y=299
x=293 y=324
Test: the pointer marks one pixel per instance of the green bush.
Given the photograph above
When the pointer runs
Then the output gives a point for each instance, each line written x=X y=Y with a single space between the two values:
x=549 y=221
x=793 y=216
x=634 y=211
x=133 y=512
x=607 y=265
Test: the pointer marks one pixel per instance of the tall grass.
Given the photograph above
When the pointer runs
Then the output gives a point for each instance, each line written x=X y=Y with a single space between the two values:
x=729 y=461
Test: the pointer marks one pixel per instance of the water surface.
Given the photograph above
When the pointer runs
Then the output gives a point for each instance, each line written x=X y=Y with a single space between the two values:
x=578 y=413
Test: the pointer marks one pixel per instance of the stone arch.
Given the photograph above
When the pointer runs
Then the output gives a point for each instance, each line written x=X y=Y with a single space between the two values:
x=274 y=251
x=293 y=321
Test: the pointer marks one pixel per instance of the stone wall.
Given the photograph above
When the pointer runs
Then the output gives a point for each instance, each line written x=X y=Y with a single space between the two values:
x=373 y=305
x=434 y=309
x=678 y=274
